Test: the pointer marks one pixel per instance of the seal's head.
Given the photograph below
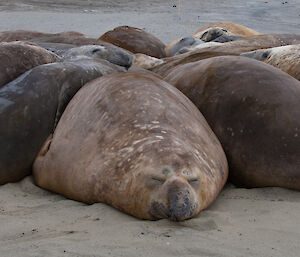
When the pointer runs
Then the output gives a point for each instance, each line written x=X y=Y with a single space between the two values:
x=177 y=187
x=111 y=53
x=260 y=55
x=211 y=34
x=175 y=196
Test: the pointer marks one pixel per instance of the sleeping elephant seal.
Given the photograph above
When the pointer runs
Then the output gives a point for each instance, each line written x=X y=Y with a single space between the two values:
x=228 y=27
x=222 y=49
x=212 y=34
x=254 y=110
x=226 y=38
x=32 y=104
x=24 y=35
x=134 y=142
x=71 y=40
x=195 y=47
x=111 y=53
x=285 y=58
x=135 y=40
x=145 y=61
x=174 y=47
x=17 y=58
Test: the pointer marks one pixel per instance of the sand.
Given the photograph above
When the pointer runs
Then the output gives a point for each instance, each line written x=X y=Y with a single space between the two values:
x=241 y=222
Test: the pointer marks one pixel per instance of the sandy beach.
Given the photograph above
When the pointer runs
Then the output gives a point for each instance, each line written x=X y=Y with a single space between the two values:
x=241 y=222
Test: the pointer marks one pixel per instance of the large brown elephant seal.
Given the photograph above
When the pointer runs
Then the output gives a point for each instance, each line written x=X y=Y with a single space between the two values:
x=135 y=40
x=134 y=142
x=286 y=58
x=18 y=58
x=254 y=110
x=229 y=28
x=31 y=105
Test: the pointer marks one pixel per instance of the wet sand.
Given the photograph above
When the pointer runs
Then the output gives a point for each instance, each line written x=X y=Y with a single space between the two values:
x=242 y=222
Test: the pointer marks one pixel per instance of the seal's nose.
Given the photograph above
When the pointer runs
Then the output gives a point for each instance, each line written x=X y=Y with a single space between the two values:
x=182 y=204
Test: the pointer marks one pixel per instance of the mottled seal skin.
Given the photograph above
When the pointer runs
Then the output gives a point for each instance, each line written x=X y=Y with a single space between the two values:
x=174 y=47
x=145 y=61
x=111 y=53
x=135 y=40
x=134 y=142
x=57 y=48
x=229 y=27
x=285 y=58
x=195 y=47
x=230 y=48
x=17 y=58
x=31 y=105
x=253 y=109
x=24 y=35
x=171 y=63
x=226 y=38
x=211 y=34
x=72 y=40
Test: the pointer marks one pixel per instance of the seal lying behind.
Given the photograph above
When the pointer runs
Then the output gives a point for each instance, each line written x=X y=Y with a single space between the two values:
x=135 y=40
x=24 y=35
x=229 y=28
x=230 y=48
x=254 y=110
x=145 y=61
x=286 y=58
x=111 y=53
x=32 y=104
x=174 y=47
x=134 y=142
x=17 y=58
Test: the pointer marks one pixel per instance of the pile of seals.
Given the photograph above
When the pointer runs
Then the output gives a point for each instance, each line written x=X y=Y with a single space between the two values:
x=153 y=130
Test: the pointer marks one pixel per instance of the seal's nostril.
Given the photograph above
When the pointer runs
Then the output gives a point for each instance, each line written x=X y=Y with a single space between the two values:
x=96 y=50
x=166 y=171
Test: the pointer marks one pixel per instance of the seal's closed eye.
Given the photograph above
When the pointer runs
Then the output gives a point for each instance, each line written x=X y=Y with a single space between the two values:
x=193 y=181
x=265 y=55
x=159 y=180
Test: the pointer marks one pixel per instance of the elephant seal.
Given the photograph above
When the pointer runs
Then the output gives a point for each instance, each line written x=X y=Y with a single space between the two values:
x=134 y=142
x=31 y=105
x=253 y=108
x=211 y=34
x=17 y=58
x=72 y=40
x=135 y=40
x=175 y=46
x=25 y=35
x=228 y=27
x=222 y=49
x=111 y=53
x=195 y=47
x=145 y=61
x=57 y=48
x=285 y=58
x=226 y=38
